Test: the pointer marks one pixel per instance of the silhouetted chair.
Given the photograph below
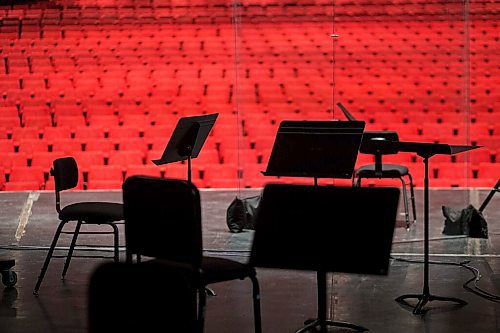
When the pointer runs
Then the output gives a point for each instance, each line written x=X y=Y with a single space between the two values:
x=148 y=297
x=163 y=221
x=386 y=170
x=65 y=173
x=325 y=229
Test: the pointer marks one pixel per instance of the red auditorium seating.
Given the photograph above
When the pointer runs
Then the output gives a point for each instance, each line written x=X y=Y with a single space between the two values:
x=117 y=77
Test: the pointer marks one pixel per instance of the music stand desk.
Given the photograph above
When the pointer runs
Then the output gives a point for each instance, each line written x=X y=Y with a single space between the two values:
x=309 y=227
x=319 y=149
x=187 y=140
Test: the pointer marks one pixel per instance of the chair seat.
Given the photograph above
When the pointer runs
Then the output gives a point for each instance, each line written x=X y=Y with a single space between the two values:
x=214 y=269
x=92 y=212
x=220 y=269
x=388 y=171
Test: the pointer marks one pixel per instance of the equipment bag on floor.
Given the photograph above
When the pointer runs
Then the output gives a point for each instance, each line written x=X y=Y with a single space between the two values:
x=468 y=221
x=241 y=213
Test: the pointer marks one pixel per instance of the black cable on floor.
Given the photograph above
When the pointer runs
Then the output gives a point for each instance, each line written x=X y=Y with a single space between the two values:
x=465 y=264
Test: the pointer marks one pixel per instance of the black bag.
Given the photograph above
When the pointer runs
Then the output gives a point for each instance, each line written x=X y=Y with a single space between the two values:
x=468 y=221
x=241 y=213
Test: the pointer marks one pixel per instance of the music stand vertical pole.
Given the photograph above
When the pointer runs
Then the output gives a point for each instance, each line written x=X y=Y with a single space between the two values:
x=189 y=169
x=426 y=226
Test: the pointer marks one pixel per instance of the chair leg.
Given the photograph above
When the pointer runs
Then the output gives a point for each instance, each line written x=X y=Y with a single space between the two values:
x=405 y=202
x=71 y=249
x=412 y=198
x=358 y=182
x=49 y=256
x=116 y=242
x=256 y=304
x=202 y=304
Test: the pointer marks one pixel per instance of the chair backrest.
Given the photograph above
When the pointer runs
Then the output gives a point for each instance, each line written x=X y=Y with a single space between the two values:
x=368 y=136
x=148 y=297
x=162 y=219
x=329 y=228
x=65 y=173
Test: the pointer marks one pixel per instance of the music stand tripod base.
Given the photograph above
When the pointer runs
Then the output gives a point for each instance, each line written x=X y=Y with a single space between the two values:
x=425 y=298
x=311 y=324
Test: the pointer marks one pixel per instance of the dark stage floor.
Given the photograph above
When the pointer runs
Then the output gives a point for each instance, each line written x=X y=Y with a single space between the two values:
x=288 y=297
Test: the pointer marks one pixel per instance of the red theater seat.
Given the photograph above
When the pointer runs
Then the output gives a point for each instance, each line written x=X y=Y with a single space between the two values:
x=55 y=133
x=103 y=120
x=125 y=158
x=105 y=146
x=253 y=177
x=141 y=169
x=450 y=174
x=104 y=177
x=25 y=179
x=70 y=120
x=21 y=133
x=6 y=146
x=65 y=146
x=9 y=160
x=30 y=146
x=490 y=171
x=87 y=159
x=124 y=132
x=83 y=133
x=44 y=160
x=221 y=176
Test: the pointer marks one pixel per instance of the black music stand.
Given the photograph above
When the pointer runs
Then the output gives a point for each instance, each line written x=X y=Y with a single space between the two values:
x=304 y=227
x=318 y=149
x=187 y=140
x=424 y=150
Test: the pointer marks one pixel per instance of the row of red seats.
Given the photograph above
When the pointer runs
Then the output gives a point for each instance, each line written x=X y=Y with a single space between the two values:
x=232 y=175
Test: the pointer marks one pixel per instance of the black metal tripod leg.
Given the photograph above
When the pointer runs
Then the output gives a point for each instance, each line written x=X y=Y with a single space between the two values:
x=308 y=326
x=315 y=323
x=354 y=327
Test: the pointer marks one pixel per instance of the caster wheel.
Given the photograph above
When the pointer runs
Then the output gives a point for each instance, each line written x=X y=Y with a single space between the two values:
x=9 y=278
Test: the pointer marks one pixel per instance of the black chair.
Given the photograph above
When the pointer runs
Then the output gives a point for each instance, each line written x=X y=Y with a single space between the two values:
x=325 y=229
x=379 y=169
x=163 y=221
x=65 y=173
x=148 y=297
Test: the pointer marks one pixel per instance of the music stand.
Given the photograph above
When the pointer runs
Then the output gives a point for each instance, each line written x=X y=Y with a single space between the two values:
x=305 y=227
x=187 y=140
x=319 y=149
x=424 y=150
